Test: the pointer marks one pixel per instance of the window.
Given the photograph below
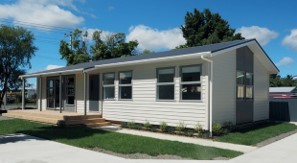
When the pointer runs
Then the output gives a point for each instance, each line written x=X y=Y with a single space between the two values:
x=108 y=85
x=244 y=81
x=70 y=93
x=249 y=85
x=240 y=84
x=190 y=82
x=125 y=85
x=165 y=83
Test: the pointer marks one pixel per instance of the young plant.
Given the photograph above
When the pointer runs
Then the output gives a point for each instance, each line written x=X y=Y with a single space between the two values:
x=131 y=124
x=147 y=125
x=198 y=128
x=217 y=129
x=163 y=126
x=180 y=128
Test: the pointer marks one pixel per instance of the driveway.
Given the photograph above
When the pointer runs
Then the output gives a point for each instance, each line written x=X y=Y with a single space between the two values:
x=28 y=149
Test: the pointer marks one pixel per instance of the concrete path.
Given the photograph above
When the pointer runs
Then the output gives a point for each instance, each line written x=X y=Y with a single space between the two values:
x=284 y=150
x=198 y=141
x=28 y=149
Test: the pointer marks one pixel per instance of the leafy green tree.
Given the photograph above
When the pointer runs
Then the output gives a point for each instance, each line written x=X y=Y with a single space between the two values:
x=202 y=28
x=75 y=51
x=146 y=51
x=113 y=47
x=278 y=81
x=16 y=50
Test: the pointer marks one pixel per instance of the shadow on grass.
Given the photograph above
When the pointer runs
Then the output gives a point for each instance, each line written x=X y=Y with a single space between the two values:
x=56 y=133
x=256 y=126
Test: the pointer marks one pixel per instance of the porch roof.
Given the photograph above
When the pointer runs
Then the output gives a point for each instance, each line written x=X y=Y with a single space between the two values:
x=178 y=53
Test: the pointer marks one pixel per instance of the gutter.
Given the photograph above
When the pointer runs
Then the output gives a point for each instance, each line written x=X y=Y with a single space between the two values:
x=210 y=94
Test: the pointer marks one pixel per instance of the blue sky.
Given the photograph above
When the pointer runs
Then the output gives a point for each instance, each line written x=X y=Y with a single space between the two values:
x=154 y=23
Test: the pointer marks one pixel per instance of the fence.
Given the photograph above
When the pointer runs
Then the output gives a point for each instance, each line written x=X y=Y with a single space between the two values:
x=283 y=110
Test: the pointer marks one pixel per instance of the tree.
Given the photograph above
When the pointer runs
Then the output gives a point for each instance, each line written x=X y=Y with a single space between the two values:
x=16 y=50
x=202 y=28
x=113 y=46
x=146 y=51
x=76 y=50
x=278 y=81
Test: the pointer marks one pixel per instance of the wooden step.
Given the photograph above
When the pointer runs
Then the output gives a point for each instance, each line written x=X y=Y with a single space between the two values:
x=81 y=117
x=84 y=121
x=98 y=124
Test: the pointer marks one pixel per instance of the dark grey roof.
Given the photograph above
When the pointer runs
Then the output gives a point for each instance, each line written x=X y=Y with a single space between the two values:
x=198 y=49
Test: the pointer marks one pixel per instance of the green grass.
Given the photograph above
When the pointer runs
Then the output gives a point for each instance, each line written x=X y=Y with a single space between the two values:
x=255 y=135
x=120 y=143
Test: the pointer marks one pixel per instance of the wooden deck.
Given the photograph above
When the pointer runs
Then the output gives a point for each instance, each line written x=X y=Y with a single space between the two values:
x=59 y=119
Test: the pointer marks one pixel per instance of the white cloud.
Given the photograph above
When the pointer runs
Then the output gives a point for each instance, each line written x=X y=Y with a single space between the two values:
x=103 y=35
x=154 y=39
x=291 y=40
x=285 y=61
x=49 y=67
x=44 y=12
x=262 y=34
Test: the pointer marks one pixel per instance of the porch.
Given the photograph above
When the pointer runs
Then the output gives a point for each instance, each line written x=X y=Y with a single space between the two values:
x=59 y=119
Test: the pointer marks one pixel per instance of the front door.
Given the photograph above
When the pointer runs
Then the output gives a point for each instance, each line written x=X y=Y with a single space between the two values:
x=94 y=86
x=53 y=93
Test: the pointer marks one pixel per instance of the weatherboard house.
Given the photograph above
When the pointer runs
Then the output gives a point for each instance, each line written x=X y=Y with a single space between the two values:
x=223 y=82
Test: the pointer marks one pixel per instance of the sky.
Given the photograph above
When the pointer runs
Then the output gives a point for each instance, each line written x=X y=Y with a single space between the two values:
x=154 y=23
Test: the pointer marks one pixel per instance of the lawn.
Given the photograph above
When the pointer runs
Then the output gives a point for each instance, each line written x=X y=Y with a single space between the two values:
x=254 y=135
x=116 y=142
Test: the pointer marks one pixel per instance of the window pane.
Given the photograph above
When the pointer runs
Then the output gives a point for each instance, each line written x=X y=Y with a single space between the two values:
x=70 y=100
x=249 y=92
x=249 y=79
x=166 y=92
x=165 y=75
x=191 y=91
x=108 y=78
x=108 y=92
x=190 y=73
x=125 y=77
x=240 y=91
x=126 y=92
x=240 y=77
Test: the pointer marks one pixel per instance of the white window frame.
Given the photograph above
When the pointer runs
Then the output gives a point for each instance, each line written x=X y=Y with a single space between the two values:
x=165 y=83
x=108 y=86
x=125 y=85
x=189 y=82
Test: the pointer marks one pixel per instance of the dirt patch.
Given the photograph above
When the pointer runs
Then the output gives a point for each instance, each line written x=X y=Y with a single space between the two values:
x=140 y=155
x=276 y=138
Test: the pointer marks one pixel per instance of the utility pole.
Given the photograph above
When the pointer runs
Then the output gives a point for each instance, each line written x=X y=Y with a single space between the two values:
x=70 y=37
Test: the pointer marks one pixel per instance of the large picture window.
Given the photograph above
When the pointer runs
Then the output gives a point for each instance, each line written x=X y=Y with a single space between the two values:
x=165 y=83
x=190 y=82
x=125 y=85
x=108 y=85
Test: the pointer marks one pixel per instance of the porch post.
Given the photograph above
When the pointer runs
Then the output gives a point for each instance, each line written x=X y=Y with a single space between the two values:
x=23 y=93
x=60 y=92
x=40 y=93
x=85 y=93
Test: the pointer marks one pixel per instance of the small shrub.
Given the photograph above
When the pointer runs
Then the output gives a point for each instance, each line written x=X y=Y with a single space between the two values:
x=198 y=128
x=217 y=129
x=147 y=125
x=228 y=126
x=131 y=124
x=180 y=128
x=124 y=125
x=163 y=126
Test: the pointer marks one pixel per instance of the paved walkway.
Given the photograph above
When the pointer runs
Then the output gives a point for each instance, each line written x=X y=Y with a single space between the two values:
x=198 y=141
x=28 y=149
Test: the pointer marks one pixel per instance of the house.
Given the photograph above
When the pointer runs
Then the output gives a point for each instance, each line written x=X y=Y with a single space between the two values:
x=224 y=82
x=283 y=92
